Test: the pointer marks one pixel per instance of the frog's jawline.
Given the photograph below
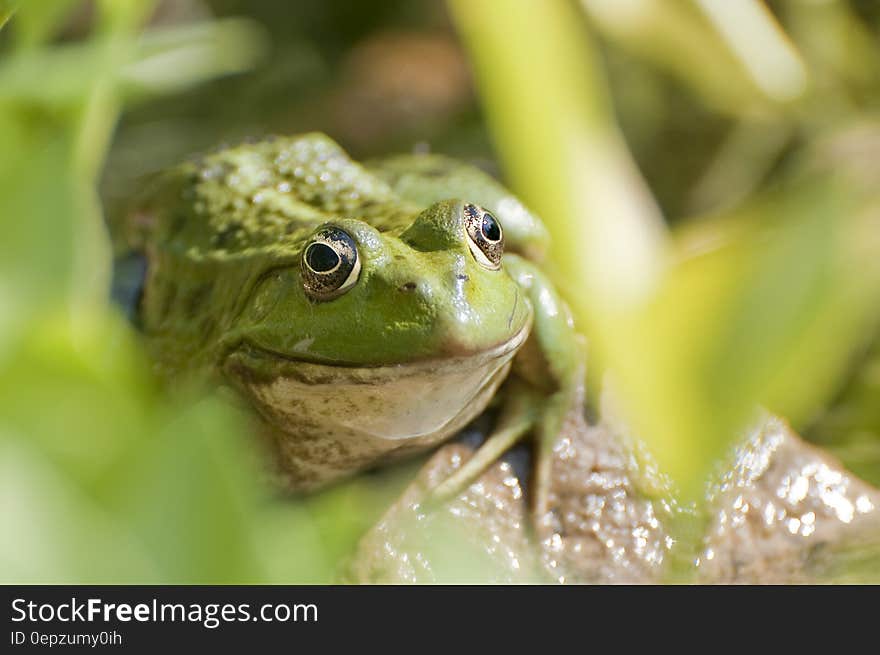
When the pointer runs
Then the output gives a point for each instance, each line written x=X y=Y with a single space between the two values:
x=423 y=401
x=255 y=351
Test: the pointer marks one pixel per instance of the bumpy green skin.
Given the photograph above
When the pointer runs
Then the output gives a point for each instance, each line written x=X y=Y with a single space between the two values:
x=224 y=298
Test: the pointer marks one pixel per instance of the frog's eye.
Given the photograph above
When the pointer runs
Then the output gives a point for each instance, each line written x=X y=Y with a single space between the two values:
x=485 y=238
x=330 y=264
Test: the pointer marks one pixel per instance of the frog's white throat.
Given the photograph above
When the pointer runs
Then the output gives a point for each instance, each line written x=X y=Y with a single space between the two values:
x=423 y=402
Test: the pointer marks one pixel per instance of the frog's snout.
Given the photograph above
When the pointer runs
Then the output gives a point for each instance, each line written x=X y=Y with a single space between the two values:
x=439 y=227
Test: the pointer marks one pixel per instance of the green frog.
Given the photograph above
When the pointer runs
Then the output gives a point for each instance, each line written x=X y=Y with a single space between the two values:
x=365 y=311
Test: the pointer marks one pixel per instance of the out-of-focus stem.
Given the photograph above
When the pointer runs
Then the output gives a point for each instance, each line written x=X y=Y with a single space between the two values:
x=7 y=8
x=554 y=128
x=117 y=27
x=760 y=44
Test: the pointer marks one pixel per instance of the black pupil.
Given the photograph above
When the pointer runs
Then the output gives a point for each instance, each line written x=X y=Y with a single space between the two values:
x=321 y=258
x=491 y=229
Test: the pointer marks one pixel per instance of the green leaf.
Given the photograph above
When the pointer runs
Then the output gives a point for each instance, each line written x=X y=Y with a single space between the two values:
x=160 y=61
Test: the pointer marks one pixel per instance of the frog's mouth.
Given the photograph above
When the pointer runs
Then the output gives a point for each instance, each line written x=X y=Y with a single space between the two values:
x=388 y=402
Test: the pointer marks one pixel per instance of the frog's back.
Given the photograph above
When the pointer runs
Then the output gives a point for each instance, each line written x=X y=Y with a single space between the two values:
x=260 y=194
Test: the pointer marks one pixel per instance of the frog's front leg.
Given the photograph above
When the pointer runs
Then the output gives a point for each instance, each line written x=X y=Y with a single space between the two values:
x=548 y=384
x=552 y=363
x=518 y=417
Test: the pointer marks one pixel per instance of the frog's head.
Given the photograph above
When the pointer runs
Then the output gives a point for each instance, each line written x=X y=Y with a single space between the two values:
x=396 y=332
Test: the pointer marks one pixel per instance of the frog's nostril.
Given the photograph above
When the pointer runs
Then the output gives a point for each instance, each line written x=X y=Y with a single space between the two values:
x=408 y=287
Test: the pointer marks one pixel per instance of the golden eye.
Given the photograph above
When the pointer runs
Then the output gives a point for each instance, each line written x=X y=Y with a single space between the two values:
x=330 y=264
x=485 y=237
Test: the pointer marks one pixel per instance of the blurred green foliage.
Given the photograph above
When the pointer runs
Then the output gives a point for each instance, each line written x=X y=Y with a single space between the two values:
x=716 y=227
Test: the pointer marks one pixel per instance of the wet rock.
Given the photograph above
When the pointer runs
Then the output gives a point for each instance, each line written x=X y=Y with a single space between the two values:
x=602 y=526
x=480 y=536
x=786 y=512
x=783 y=512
